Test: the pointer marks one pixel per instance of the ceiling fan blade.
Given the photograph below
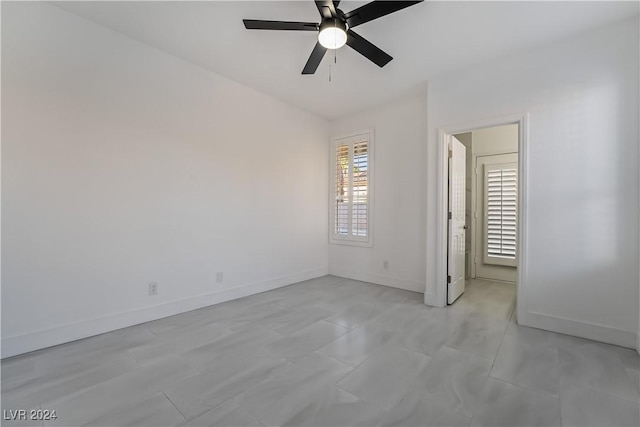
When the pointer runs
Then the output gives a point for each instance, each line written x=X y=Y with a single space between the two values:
x=367 y=49
x=326 y=8
x=375 y=10
x=314 y=59
x=257 y=24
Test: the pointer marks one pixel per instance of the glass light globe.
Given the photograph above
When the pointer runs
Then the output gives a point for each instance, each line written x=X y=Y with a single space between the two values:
x=333 y=34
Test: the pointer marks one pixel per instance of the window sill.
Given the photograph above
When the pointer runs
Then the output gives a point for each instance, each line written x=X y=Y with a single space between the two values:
x=360 y=243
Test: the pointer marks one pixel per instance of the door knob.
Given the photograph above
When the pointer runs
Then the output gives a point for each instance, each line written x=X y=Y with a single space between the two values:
x=465 y=227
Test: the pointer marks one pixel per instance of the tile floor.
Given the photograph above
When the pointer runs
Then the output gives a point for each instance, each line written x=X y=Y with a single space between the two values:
x=332 y=352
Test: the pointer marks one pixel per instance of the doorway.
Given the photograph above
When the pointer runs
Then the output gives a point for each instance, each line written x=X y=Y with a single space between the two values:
x=491 y=202
x=494 y=196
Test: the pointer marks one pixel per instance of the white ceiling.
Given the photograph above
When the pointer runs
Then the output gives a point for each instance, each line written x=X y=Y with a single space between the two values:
x=426 y=39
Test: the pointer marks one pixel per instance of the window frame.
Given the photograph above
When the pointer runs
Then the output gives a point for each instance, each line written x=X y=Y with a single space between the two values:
x=350 y=139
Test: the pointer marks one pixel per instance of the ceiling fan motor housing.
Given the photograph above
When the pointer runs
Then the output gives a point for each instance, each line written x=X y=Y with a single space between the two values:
x=334 y=23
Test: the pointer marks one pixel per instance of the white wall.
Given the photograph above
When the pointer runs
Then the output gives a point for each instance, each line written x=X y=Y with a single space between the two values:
x=399 y=197
x=495 y=140
x=123 y=165
x=582 y=98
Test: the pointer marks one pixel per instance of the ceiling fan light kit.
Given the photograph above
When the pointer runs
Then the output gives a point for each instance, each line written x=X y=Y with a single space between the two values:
x=333 y=33
x=335 y=29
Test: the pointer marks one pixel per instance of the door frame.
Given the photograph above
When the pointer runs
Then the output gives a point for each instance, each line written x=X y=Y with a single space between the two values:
x=522 y=120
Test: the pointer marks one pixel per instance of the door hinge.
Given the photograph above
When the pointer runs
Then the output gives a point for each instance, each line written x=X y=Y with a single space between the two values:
x=449 y=215
x=448 y=279
x=450 y=154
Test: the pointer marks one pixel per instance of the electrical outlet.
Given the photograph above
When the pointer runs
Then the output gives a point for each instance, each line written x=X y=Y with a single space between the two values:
x=153 y=288
x=385 y=264
x=219 y=277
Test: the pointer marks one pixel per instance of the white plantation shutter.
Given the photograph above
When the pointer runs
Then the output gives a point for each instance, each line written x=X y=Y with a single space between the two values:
x=501 y=209
x=360 y=210
x=342 y=182
x=351 y=176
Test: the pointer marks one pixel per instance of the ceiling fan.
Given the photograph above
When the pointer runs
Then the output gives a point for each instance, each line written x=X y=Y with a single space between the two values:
x=335 y=29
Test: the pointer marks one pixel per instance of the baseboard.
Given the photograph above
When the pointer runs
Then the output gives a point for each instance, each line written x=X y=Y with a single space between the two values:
x=586 y=330
x=406 y=284
x=19 y=344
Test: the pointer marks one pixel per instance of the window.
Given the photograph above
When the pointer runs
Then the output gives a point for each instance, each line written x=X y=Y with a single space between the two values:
x=501 y=208
x=351 y=176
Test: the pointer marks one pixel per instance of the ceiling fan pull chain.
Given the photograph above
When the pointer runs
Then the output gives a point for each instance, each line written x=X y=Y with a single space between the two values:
x=335 y=61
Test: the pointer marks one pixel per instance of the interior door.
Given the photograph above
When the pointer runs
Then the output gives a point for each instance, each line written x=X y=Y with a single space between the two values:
x=457 y=189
